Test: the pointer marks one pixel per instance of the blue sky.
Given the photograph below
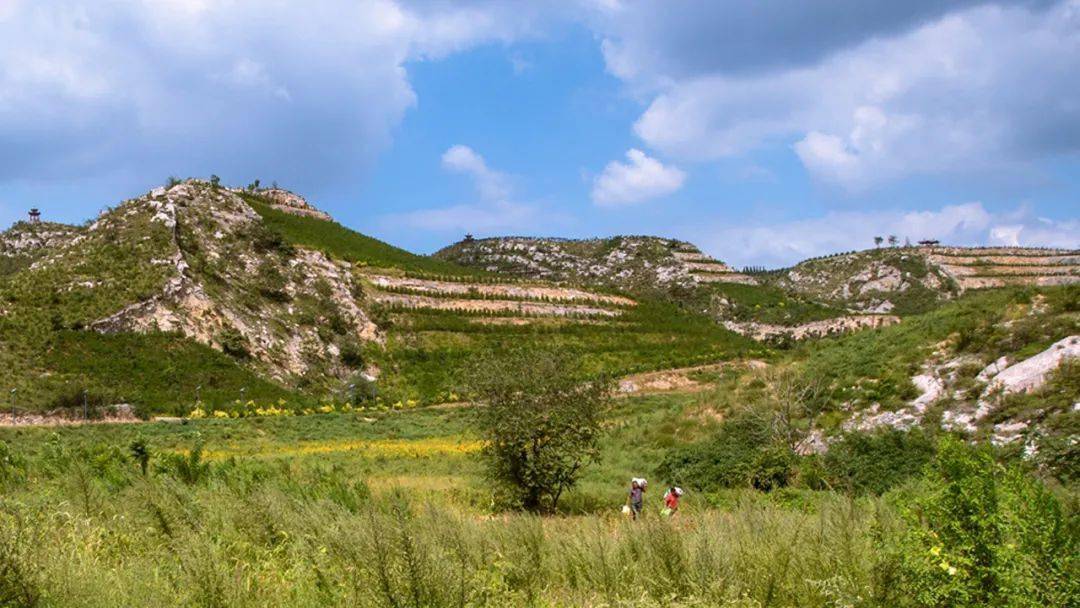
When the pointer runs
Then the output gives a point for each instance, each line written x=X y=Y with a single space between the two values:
x=765 y=132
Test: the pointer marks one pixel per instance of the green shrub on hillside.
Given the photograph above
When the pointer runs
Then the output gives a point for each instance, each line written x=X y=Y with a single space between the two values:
x=876 y=462
x=156 y=372
x=876 y=365
x=983 y=535
x=742 y=454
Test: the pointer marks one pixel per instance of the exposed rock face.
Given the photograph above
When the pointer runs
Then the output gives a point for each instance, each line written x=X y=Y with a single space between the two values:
x=814 y=329
x=874 y=281
x=27 y=239
x=1031 y=373
x=932 y=383
x=290 y=202
x=224 y=292
x=967 y=414
x=930 y=386
x=1023 y=377
x=631 y=263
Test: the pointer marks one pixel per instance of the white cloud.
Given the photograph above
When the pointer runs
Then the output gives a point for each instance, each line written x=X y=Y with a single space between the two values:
x=641 y=179
x=784 y=243
x=987 y=89
x=307 y=94
x=492 y=185
x=494 y=212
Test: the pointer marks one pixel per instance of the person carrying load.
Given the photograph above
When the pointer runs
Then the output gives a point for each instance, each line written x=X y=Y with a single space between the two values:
x=671 y=501
x=636 y=499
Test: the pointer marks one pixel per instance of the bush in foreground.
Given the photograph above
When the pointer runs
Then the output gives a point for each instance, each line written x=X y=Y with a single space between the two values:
x=984 y=535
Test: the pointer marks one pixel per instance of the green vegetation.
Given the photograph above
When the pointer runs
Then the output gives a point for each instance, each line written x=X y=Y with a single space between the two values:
x=74 y=288
x=876 y=462
x=427 y=351
x=368 y=504
x=161 y=373
x=876 y=366
x=393 y=508
x=339 y=242
x=742 y=454
x=765 y=304
x=982 y=535
x=540 y=424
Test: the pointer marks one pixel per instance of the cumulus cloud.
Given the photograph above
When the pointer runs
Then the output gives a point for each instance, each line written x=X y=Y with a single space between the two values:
x=861 y=100
x=648 y=43
x=641 y=179
x=784 y=243
x=306 y=94
x=494 y=211
x=491 y=185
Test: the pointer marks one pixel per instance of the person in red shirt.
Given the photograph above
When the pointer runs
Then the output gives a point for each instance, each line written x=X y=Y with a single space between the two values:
x=671 y=500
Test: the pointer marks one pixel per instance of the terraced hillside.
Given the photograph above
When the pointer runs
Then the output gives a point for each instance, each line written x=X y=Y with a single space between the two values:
x=629 y=263
x=986 y=267
x=200 y=290
x=434 y=326
x=912 y=280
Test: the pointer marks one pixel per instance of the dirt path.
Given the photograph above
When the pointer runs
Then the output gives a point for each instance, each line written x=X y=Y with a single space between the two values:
x=677 y=380
x=53 y=420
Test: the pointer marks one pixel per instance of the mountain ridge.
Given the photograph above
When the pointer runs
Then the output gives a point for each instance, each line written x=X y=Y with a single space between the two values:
x=280 y=301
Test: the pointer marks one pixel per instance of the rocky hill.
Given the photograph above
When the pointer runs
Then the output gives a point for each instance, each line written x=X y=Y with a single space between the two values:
x=191 y=260
x=628 y=263
x=194 y=290
x=912 y=280
x=876 y=281
x=1000 y=365
x=198 y=291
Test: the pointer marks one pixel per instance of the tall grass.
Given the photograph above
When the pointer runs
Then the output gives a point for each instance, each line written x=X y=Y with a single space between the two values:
x=233 y=542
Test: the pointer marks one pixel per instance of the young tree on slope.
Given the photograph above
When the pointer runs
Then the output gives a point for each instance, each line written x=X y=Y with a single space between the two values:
x=540 y=421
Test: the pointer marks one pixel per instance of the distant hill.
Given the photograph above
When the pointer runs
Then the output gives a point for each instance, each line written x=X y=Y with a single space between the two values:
x=196 y=290
x=629 y=263
x=908 y=280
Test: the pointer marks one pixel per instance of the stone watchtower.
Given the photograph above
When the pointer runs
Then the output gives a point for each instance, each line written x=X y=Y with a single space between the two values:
x=35 y=216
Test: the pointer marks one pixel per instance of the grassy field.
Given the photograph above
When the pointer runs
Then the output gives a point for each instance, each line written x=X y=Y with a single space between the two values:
x=390 y=509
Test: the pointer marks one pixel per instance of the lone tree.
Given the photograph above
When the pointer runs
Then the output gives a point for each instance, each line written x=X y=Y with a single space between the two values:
x=877 y=241
x=795 y=401
x=540 y=422
x=893 y=240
